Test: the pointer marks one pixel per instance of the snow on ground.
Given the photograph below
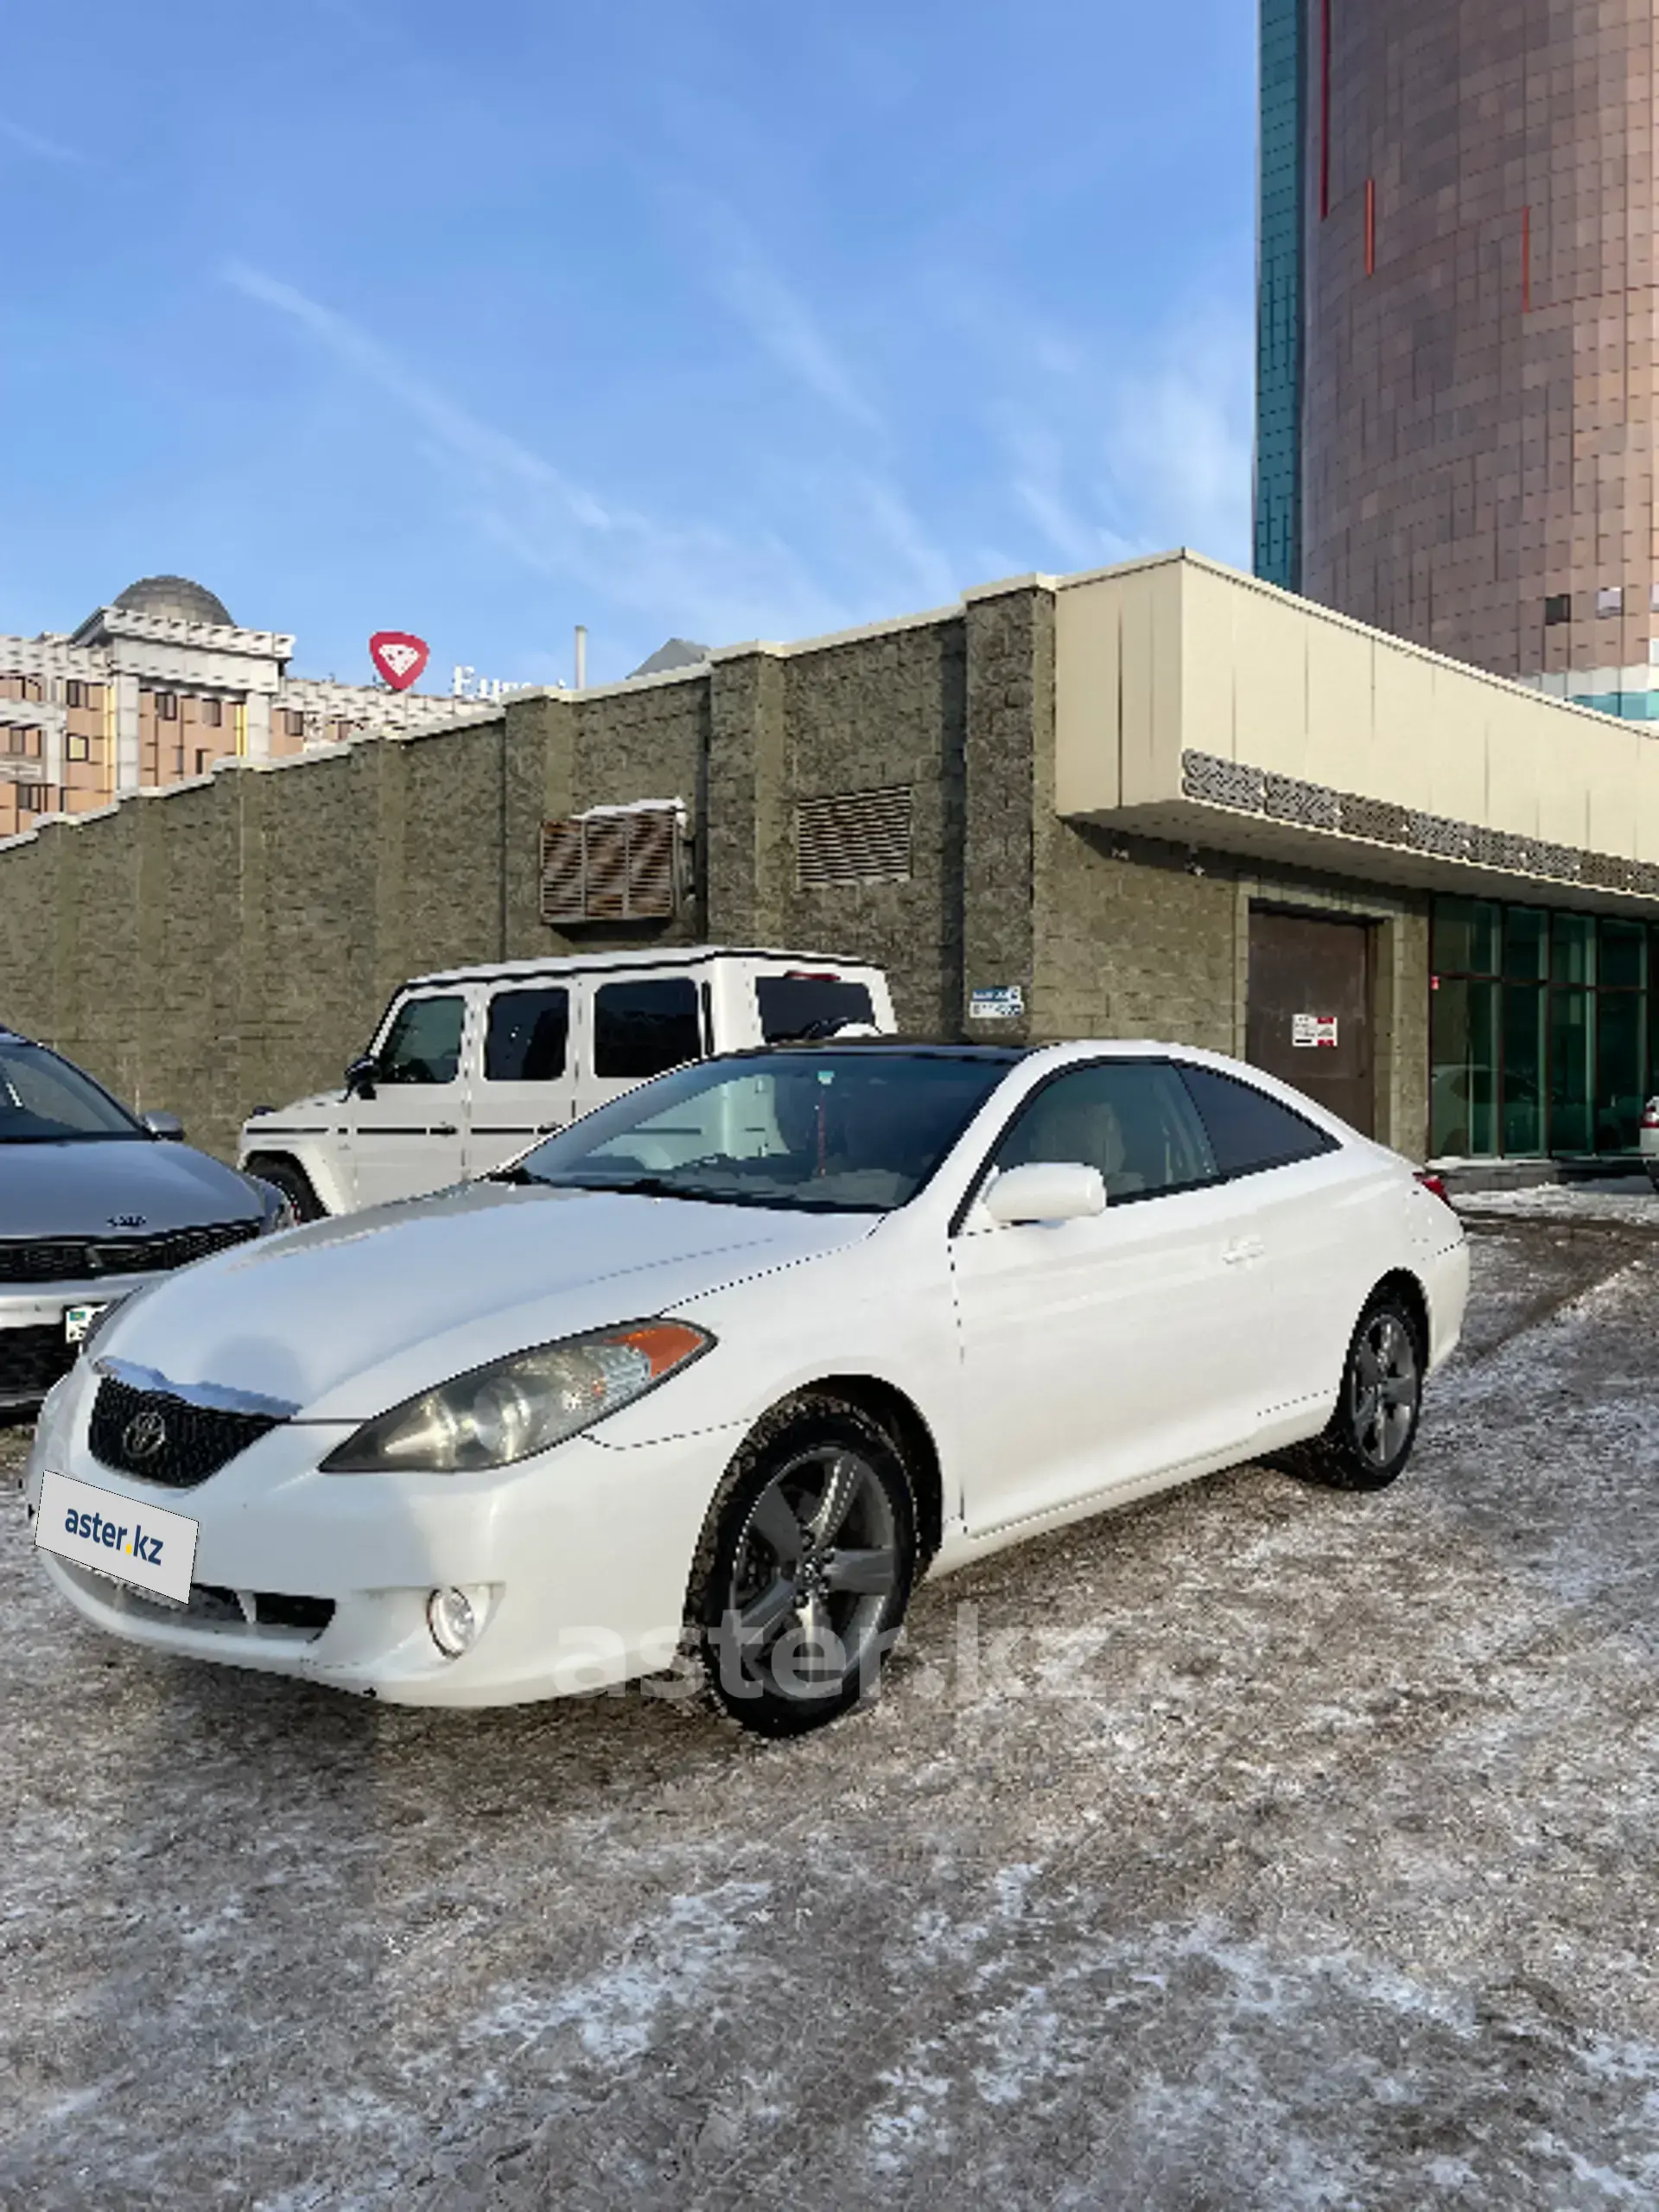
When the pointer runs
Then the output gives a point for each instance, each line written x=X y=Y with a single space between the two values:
x=1258 y=1846
x=1630 y=1198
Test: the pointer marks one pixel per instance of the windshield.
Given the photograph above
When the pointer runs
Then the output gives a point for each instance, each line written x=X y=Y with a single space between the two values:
x=841 y=1132
x=44 y=1101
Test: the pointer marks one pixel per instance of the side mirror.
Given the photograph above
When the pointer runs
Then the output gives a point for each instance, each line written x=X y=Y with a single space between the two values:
x=1047 y=1190
x=359 y=1076
x=167 y=1127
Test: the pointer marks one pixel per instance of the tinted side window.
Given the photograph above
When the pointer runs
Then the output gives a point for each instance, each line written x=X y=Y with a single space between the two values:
x=526 y=1039
x=1249 y=1130
x=809 y=1006
x=1131 y=1119
x=424 y=1043
x=640 y=1029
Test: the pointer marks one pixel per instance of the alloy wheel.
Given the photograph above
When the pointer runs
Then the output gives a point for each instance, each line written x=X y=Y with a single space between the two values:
x=814 y=1569
x=1384 y=1385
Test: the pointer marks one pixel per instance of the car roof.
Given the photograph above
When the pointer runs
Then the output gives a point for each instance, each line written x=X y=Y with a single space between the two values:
x=892 y=1048
x=673 y=956
x=13 y=1036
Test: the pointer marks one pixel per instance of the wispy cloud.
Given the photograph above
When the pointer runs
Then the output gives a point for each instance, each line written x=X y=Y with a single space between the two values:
x=1110 y=456
x=1178 y=437
x=1044 y=488
x=787 y=330
x=42 y=147
x=692 y=578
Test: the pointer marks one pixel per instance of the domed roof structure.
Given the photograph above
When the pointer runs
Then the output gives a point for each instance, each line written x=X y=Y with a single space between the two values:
x=177 y=598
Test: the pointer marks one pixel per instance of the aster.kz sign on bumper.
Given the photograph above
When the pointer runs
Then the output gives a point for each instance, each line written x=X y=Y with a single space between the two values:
x=94 y=1528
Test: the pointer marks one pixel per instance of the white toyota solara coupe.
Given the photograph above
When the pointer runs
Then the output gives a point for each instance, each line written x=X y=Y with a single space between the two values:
x=742 y=1354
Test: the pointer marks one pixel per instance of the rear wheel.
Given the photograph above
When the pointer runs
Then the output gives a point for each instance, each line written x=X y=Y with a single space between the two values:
x=805 y=1568
x=293 y=1184
x=1371 y=1433
x=1652 y=1167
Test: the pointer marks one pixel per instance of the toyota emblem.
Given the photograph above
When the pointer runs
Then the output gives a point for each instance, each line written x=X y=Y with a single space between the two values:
x=143 y=1436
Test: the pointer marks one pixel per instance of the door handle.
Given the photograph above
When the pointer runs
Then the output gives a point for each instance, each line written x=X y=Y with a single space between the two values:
x=444 y=1129
x=1241 y=1251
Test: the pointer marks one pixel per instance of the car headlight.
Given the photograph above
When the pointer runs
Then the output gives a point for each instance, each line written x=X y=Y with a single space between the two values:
x=520 y=1406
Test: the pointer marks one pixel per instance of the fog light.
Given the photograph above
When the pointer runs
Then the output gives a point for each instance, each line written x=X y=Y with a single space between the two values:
x=453 y=1620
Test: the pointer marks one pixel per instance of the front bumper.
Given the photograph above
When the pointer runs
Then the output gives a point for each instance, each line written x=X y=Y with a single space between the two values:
x=33 y=1350
x=578 y=1561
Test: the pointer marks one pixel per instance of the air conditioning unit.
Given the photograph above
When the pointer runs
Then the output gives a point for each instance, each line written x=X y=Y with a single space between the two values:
x=615 y=864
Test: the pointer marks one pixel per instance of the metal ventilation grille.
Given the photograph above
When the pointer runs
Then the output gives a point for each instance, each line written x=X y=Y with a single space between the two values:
x=858 y=837
x=621 y=866
x=1250 y=791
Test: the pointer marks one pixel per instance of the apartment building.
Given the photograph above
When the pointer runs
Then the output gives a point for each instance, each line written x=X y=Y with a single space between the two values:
x=154 y=689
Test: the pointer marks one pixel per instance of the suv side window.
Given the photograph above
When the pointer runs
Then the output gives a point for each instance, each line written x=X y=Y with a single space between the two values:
x=1249 y=1130
x=424 y=1044
x=1131 y=1119
x=528 y=1035
x=641 y=1029
x=809 y=1006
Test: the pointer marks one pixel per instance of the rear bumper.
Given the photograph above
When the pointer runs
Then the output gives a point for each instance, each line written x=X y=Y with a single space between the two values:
x=1445 y=1281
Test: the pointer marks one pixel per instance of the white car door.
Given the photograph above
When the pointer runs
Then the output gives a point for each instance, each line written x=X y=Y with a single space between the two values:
x=410 y=1133
x=526 y=1082
x=1099 y=1353
x=1321 y=1214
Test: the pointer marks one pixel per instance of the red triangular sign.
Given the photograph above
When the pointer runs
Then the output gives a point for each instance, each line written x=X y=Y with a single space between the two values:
x=400 y=657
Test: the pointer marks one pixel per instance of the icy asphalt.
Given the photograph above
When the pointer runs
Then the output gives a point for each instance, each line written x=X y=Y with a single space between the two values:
x=1255 y=1847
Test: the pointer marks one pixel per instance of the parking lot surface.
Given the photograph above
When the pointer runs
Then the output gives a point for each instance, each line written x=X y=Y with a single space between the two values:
x=1259 y=1847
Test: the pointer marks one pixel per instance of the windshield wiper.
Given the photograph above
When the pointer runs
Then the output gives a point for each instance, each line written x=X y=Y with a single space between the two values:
x=644 y=1186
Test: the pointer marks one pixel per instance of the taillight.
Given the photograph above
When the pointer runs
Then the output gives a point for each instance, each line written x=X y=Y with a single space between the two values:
x=1436 y=1184
x=1651 y=1115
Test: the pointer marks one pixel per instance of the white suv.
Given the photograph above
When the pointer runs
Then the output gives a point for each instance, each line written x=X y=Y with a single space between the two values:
x=470 y=1067
x=1650 y=1141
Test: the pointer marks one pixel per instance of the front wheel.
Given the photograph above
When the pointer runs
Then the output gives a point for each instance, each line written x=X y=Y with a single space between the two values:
x=293 y=1184
x=1369 y=1436
x=805 y=1568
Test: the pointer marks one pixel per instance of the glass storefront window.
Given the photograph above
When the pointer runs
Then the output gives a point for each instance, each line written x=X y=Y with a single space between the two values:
x=1572 y=1038
x=1524 y=1062
x=1572 y=948
x=1526 y=943
x=1463 y=1100
x=1560 y=1055
x=1623 y=956
x=1466 y=937
x=1619 y=1071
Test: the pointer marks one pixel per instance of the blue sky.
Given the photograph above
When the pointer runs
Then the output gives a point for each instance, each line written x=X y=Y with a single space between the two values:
x=726 y=321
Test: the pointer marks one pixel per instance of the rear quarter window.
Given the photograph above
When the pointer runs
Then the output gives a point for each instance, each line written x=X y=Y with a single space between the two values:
x=792 y=1006
x=1249 y=1131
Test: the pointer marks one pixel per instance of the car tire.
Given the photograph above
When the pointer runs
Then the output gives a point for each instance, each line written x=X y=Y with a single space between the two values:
x=1371 y=1435
x=293 y=1184
x=1653 y=1175
x=804 y=1569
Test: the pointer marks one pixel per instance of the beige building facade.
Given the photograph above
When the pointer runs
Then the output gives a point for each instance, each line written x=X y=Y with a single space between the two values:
x=154 y=691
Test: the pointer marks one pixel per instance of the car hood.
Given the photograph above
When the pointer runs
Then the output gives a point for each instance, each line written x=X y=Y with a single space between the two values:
x=92 y=1187
x=344 y=1318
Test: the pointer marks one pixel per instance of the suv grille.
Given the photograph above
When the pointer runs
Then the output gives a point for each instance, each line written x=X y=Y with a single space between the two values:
x=83 y=1259
x=195 y=1441
x=31 y=1360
